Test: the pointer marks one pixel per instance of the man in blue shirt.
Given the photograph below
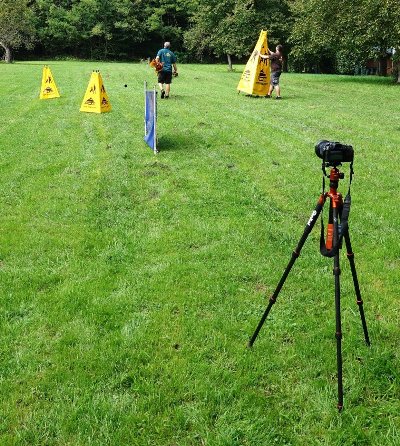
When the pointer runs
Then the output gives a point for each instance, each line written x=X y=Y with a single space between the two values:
x=168 y=59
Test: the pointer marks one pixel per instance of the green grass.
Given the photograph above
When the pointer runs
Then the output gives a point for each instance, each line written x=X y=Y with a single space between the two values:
x=130 y=283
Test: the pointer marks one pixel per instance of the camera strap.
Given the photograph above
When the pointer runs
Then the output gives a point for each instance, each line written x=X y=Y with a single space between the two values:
x=351 y=176
x=323 y=176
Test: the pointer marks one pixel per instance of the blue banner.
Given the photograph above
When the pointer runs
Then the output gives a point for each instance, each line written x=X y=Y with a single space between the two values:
x=150 y=118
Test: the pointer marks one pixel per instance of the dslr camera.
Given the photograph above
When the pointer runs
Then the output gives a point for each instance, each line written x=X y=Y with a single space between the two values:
x=334 y=153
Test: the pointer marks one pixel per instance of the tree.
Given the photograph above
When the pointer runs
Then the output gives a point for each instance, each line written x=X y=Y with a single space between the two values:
x=111 y=28
x=16 y=26
x=314 y=37
x=98 y=29
x=340 y=35
x=166 y=20
x=230 y=27
x=103 y=26
x=380 y=27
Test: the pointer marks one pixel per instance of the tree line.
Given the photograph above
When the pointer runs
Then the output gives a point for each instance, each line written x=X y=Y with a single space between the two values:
x=318 y=35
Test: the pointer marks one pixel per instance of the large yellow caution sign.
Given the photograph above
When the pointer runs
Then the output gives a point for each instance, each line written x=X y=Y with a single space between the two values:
x=256 y=75
x=95 y=99
x=48 y=89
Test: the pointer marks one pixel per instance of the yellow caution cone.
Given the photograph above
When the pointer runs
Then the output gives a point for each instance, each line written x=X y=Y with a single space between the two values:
x=256 y=75
x=48 y=89
x=95 y=99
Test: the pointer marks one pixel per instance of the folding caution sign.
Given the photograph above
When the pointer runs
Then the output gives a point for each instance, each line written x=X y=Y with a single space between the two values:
x=150 y=118
x=256 y=75
x=48 y=89
x=96 y=98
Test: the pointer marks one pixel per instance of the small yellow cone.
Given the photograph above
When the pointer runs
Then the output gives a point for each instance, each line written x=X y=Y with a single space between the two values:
x=95 y=99
x=48 y=89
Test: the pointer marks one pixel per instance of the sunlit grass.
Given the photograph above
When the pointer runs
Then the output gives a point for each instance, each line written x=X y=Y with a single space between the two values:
x=130 y=283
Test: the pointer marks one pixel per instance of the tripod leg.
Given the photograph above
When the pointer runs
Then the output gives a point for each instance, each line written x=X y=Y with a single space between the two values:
x=336 y=273
x=295 y=254
x=350 y=256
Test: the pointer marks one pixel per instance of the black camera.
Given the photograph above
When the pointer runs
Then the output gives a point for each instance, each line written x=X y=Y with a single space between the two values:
x=334 y=153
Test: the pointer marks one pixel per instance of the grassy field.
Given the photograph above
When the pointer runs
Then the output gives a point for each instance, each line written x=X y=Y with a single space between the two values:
x=130 y=283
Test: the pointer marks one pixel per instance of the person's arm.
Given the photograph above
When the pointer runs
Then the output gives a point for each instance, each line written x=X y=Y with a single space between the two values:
x=175 y=67
x=264 y=56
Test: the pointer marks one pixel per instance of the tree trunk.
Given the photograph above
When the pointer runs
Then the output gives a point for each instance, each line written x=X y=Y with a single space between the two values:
x=396 y=70
x=229 y=62
x=382 y=66
x=7 y=49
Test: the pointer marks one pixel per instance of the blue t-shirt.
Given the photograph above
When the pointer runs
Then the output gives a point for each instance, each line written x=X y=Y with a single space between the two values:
x=167 y=57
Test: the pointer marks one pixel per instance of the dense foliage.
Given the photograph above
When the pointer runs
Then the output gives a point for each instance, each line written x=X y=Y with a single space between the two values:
x=318 y=35
x=230 y=27
x=16 y=26
x=339 y=35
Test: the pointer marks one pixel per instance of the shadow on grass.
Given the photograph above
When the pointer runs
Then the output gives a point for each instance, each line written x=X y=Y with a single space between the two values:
x=366 y=80
x=169 y=143
x=31 y=64
x=284 y=97
x=172 y=97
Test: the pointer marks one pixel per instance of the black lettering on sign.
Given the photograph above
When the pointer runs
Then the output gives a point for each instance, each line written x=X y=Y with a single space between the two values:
x=262 y=76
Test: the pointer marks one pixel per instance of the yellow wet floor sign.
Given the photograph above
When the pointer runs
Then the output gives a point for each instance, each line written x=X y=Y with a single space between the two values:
x=95 y=99
x=48 y=89
x=256 y=75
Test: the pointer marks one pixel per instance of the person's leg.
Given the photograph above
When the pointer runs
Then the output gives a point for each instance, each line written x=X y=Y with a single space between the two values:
x=168 y=80
x=161 y=83
x=271 y=85
x=277 y=86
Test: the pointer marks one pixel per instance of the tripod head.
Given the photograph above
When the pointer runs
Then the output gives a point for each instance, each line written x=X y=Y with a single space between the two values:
x=334 y=176
x=334 y=153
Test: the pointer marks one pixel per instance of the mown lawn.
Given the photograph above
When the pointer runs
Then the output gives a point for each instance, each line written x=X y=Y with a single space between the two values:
x=130 y=283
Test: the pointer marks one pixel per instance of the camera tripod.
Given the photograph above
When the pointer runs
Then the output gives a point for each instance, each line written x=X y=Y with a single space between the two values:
x=338 y=210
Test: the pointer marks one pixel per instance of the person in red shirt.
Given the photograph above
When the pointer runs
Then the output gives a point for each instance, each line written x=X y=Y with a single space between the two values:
x=276 y=59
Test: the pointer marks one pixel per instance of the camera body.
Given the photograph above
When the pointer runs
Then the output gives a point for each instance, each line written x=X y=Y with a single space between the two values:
x=334 y=153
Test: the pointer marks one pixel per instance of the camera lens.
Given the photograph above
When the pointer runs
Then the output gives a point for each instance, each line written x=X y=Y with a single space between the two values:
x=321 y=147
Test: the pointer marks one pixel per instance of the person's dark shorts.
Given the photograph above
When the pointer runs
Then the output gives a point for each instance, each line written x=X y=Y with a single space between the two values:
x=275 y=75
x=165 y=77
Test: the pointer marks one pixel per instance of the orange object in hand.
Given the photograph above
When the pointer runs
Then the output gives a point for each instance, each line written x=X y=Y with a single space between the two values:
x=156 y=65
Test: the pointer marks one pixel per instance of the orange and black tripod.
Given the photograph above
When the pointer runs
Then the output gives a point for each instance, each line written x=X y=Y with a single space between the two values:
x=337 y=229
